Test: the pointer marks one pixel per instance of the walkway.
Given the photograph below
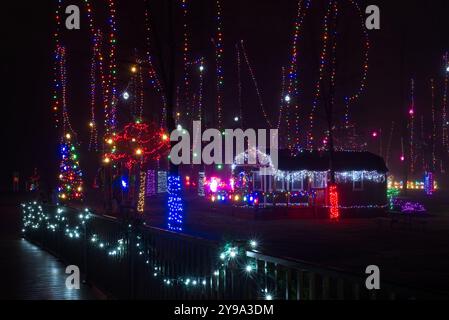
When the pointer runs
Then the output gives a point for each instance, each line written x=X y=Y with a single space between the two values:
x=29 y=273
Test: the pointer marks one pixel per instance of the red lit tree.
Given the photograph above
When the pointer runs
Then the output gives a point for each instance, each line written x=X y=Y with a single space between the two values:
x=138 y=143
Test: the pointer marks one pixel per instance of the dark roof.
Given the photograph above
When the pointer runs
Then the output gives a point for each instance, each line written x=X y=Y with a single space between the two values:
x=343 y=161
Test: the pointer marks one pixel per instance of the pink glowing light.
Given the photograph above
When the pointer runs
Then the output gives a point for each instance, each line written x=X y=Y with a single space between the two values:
x=214 y=185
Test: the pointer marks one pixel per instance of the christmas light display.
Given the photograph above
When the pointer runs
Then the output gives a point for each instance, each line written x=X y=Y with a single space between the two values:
x=353 y=98
x=219 y=52
x=411 y=185
x=70 y=185
x=138 y=143
x=175 y=204
x=408 y=207
x=392 y=194
x=258 y=92
x=323 y=61
x=141 y=196
x=429 y=183
x=111 y=98
x=412 y=126
x=186 y=59
x=434 y=125
x=162 y=182
x=96 y=70
x=239 y=82
x=70 y=176
x=201 y=90
x=233 y=255
x=154 y=78
x=150 y=183
x=334 y=203
x=56 y=103
x=292 y=110
x=201 y=184
x=444 y=106
x=285 y=98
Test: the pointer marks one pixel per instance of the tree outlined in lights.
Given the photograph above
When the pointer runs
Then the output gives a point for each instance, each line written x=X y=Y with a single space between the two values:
x=71 y=176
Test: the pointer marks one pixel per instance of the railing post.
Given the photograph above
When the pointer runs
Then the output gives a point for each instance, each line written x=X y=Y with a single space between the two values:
x=326 y=288
x=312 y=291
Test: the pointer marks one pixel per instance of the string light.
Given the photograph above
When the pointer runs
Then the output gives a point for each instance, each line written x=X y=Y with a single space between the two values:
x=318 y=86
x=219 y=52
x=186 y=58
x=412 y=126
x=35 y=218
x=56 y=103
x=258 y=92
x=293 y=82
x=175 y=204
x=334 y=202
x=138 y=139
x=141 y=200
x=239 y=81
x=151 y=183
x=434 y=125
x=445 y=133
x=367 y=46
x=154 y=78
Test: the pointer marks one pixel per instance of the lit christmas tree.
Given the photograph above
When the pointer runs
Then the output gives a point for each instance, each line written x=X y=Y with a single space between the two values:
x=71 y=176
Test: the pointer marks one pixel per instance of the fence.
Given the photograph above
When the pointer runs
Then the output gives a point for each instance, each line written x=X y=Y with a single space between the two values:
x=127 y=260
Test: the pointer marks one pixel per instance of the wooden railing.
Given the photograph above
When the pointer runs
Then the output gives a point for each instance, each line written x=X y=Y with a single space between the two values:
x=129 y=261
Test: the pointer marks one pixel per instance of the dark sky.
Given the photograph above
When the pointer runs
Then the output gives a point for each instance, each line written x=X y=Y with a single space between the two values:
x=412 y=31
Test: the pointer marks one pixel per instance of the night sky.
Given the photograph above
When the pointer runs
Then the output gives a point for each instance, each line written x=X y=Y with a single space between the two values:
x=413 y=34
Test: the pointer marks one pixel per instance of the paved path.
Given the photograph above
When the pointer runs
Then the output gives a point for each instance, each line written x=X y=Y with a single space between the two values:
x=27 y=272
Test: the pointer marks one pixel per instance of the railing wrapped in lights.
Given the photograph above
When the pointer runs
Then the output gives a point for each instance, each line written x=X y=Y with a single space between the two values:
x=127 y=260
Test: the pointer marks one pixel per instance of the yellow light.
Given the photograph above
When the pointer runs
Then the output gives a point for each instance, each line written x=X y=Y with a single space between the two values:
x=237 y=198
x=68 y=136
x=80 y=189
x=107 y=160
x=139 y=152
x=63 y=196
x=133 y=69
x=164 y=137
x=91 y=124
x=110 y=141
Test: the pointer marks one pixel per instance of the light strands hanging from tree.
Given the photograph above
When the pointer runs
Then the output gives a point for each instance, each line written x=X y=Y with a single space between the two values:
x=112 y=100
x=219 y=52
x=187 y=103
x=353 y=98
x=256 y=86
x=444 y=106
x=154 y=78
x=56 y=101
x=239 y=82
x=412 y=126
x=434 y=125
x=70 y=174
x=95 y=67
x=291 y=100
x=319 y=83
